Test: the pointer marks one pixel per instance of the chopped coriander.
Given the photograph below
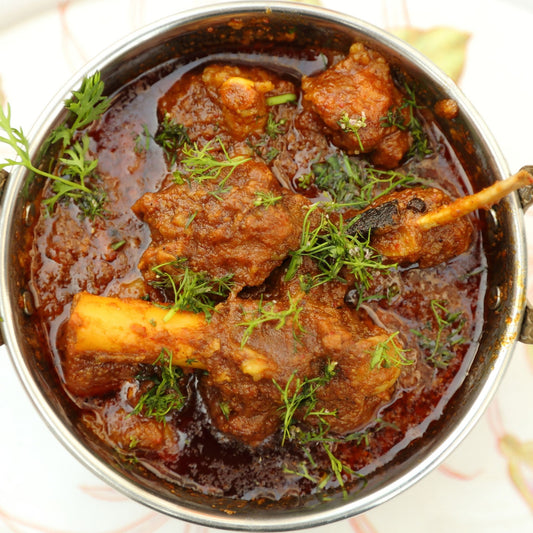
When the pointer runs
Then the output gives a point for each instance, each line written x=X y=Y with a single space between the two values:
x=302 y=472
x=171 y=136
x=75 y=166
x=273 y=127
x=192 y=291
x=333 y=249
x=387 y=354
x=85 y=105
x=352 y=180
x=449 y=326
x=165 y=395
x=267 y=313
x=353 y=125
x=142 y=141
x=420 y=146
x=266 y=199
x=190 y=218
x=302 y=394
x=200 y=164
x=305 y=180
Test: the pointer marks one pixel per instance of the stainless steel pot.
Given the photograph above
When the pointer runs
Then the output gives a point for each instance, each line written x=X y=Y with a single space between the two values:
x=508 y=318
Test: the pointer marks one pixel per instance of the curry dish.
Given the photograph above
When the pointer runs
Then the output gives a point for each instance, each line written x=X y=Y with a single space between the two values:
x=252 y=303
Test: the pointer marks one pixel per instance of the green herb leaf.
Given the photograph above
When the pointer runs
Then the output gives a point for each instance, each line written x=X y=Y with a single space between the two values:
x=200 y=164
x=266 y=199
x=192 y=291
x=74 y=164
x=449 y=327
x=387 y=354
x=273 y=128
x=349 y=180
x=301 y=393
x=165 y=395
x=331 y=246
x=353 y=125
x=171 y=136
x=420 y=146
x=86 y=105
x=268 y=313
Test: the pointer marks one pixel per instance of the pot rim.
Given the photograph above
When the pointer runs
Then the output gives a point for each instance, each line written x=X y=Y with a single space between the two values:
x=272 y=521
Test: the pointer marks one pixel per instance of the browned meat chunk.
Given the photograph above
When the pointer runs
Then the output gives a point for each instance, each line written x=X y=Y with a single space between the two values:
x=352 y=98
x=129 y=433
x=402 y=241
x=235 y=232
x=247 y=379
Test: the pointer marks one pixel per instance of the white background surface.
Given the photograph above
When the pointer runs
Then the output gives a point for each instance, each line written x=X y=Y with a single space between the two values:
x=43 y=489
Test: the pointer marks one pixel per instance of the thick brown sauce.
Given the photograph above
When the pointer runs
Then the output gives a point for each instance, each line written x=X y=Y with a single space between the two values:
x=70 y=255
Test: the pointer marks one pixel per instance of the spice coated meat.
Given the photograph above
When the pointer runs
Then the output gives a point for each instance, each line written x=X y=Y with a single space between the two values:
x=259 y=306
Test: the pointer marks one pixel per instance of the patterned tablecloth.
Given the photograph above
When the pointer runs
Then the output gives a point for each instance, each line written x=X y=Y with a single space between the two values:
x=486 y=485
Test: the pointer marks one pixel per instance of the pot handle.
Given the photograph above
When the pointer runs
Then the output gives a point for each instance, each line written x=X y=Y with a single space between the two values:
x=3 y=180
x=526 y=199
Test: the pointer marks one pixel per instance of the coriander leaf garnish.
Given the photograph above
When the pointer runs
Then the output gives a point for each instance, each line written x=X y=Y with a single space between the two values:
x=75 y=166
x=274 y=128
x=352 y=180
x=200 y=164
x=142 y=141
x=266 y=199
x=449 y=327
x=192 y=291
x=301 y=394
x=332 y=248
x=165 y=395
x=86 y=105
x=353 y=125
x=388 y=353
x=420 y=146
x=267 y=312
x=171 y=136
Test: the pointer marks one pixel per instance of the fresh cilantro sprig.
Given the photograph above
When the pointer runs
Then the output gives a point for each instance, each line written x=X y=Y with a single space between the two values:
x=333 y=249
x=351 y=180
x=171 y=136
x=266 y=199
x=200 y=164
x=301 y=394
x=192 y=291
x=75 y=166
x=394 y=117
x=267 y=312
x=353 y=125
x=449 y=327
x=388 y=353
x=165 y=394
x=85 y=105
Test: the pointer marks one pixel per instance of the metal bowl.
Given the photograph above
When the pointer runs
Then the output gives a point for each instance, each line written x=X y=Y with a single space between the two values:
x=203 y=31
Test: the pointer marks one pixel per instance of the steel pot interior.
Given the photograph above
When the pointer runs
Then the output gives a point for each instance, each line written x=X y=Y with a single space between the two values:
x=204 y=31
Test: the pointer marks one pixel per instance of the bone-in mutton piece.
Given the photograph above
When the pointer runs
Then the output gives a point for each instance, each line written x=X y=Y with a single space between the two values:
x=481 y=200
x=104 y=336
